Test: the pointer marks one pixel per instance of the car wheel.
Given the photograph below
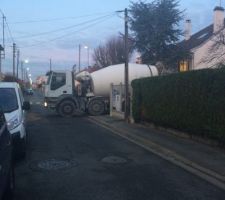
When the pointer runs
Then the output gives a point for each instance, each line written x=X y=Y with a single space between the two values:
x=23 y=148
x=9 y=192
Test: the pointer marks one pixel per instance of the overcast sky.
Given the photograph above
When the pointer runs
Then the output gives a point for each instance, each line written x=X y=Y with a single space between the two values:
x=44 y=29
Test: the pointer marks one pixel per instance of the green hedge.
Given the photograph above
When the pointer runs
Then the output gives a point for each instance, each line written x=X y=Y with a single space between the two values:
x=193 y=102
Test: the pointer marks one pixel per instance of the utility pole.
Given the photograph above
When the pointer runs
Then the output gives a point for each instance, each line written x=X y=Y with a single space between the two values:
x=3 y=34
x=126 y=78
x=50 y=64
x=17 y=63
x=79 y=57
x=126 y=69
x=0 y=60
x=24 y=74
x=1 y=49
x=14 y=59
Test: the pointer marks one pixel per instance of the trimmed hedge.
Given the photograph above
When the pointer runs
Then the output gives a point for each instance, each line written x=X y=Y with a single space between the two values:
x=193 y=102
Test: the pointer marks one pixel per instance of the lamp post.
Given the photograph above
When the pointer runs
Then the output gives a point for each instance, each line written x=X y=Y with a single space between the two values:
x=27 y=71
x=23 y=71
x=87 y=47
x=79 y=57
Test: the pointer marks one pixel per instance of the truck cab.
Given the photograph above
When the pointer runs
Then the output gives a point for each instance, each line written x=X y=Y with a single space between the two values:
x=59 y=85
x=69 y=94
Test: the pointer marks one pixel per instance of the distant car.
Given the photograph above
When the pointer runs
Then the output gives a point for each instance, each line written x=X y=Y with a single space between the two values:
x=29 y=91
x=7 y=182
x=14 y=107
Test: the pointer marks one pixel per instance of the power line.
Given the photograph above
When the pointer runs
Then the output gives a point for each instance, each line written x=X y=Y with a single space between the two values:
x=10 y=34
x=56 y=19
x=66 y=35
x=72 y=33
x=63 y=29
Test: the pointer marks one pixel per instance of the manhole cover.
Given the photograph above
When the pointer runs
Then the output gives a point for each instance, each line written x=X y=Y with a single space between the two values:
x=114 y=160
x=53 y=164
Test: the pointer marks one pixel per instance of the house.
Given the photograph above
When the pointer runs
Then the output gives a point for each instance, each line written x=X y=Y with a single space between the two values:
x=207 y=46
x=1 y=76
x=40 y=80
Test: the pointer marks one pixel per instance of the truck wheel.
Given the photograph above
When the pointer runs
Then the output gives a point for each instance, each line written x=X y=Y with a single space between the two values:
x=96 y=107
x=66 y=108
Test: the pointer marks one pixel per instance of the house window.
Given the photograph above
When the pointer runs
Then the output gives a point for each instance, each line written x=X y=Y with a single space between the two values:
x=183 y=66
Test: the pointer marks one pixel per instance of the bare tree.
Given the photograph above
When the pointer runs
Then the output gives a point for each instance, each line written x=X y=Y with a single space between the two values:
x=101 y=56
x=111 y=53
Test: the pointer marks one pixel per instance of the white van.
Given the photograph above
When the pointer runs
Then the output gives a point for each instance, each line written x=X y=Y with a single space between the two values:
x=14 y=107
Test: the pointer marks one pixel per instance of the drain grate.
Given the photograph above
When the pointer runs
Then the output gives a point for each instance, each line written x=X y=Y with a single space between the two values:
x=114 y=160
x=53 y=164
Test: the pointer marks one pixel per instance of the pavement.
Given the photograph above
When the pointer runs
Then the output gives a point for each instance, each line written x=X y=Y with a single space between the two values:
x=203 y=160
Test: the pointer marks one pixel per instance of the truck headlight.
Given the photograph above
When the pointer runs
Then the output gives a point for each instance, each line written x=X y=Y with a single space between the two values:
x=13 y=123
x=45 y=104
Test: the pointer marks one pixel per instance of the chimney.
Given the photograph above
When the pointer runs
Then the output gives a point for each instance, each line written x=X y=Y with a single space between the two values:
x=218 y=23
x=187 y=31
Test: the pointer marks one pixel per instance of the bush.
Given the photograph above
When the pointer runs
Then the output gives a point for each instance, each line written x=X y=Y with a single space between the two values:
x=192 y=101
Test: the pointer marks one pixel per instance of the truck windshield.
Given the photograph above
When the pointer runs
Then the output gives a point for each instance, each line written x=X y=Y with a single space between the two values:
x=8 y=99
x=58 y=80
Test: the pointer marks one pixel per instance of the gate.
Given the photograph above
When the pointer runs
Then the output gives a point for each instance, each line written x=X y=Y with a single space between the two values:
x=117 y=101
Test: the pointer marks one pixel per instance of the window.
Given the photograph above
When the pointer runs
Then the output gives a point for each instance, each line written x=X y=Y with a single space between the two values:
x=8 y=99
x=183 y=67
x=49 y=78
x=58 y=80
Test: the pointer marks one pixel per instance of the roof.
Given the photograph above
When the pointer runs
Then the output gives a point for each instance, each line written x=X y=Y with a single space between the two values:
x=9 y=85
x=219 y=8
x=198 y=38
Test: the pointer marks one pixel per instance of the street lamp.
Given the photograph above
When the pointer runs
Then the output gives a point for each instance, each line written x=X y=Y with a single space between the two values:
x=86 y=47
x=79 y=59
x=27 y=70
x=23 y=70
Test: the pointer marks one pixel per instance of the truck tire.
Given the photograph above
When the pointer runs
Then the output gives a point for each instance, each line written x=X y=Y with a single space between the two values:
x=66 y=108
x=96 y=107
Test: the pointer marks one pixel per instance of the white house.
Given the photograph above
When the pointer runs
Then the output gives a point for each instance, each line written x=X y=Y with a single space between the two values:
x=1 y=76
x=207 y=46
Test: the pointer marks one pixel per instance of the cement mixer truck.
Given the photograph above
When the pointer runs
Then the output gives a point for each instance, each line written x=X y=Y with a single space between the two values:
x=69 y=93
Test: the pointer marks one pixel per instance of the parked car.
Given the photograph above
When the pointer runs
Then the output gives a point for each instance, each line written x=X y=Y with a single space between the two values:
x=29 y=91
x=7 y=182
x=14 y=107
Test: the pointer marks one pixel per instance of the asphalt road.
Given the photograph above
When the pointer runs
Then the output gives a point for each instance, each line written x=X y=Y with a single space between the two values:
x=73 y=159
